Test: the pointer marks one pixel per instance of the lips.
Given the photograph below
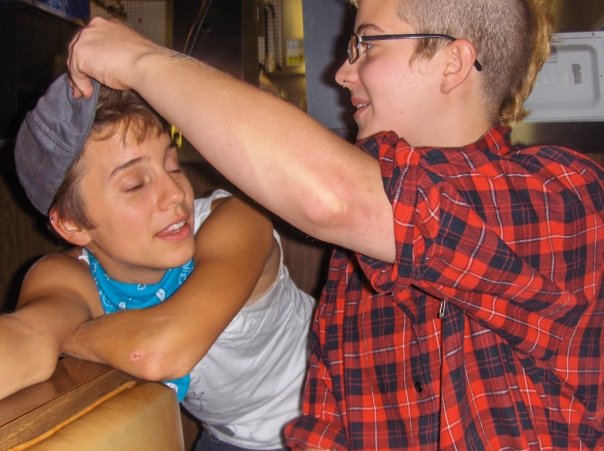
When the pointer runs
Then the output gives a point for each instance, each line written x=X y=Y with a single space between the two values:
x=176 y=230
x=360 y=106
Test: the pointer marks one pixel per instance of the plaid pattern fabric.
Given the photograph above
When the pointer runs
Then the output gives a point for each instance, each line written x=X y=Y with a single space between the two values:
x=486 y=333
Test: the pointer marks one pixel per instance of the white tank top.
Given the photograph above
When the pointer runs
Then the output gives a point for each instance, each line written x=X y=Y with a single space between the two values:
x=249 y=384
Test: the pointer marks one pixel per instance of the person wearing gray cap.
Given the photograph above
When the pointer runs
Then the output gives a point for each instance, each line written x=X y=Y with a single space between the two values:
x=205 y=276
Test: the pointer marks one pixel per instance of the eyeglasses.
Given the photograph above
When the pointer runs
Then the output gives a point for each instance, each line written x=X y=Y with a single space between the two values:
x=356 y=41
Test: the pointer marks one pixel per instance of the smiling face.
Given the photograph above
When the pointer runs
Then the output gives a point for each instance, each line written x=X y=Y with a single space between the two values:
x=140 y=202
x=388 y=91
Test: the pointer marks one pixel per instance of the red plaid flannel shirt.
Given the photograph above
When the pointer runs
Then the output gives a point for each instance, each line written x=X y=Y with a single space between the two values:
x=486 y=333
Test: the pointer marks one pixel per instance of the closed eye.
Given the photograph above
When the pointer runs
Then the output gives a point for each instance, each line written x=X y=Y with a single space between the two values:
x=133 y=188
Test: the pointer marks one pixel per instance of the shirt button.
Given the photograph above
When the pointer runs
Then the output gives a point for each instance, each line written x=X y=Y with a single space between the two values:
x=419 y=387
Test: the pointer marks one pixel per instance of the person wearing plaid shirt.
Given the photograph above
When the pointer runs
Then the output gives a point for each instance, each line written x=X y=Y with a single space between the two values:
x=463 y=307
x=486 y=333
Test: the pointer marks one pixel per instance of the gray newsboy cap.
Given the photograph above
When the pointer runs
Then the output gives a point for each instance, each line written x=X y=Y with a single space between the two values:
x=50 y=139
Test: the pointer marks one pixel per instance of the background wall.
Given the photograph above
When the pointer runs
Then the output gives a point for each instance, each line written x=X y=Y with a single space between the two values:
x=579 y=15
x=33 y=45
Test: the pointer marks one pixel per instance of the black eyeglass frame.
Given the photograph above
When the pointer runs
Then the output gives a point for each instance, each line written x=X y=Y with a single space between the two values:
x=356 y=41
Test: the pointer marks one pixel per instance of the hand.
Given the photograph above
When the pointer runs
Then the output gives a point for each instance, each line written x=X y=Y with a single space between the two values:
x=106 y=50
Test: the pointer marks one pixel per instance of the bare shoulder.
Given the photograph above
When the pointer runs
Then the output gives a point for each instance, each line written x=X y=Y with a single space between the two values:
x=270 y=251
x=235 y=208
x=57 y=264
x=234 y=222
x=61 y=273
x=242 y=233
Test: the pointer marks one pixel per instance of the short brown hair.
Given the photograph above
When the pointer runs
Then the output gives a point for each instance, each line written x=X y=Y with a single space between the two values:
x=117 y=112
x=511 y=38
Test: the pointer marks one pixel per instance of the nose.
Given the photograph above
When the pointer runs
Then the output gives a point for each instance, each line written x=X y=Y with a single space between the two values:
x=170 y=192
x=345 y=74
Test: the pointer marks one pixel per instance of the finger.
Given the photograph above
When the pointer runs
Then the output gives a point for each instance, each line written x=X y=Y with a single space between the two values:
x=76 y=91
x=79 y=82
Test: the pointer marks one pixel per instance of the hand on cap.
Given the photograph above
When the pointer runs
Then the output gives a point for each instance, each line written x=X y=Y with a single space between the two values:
x=107 y=51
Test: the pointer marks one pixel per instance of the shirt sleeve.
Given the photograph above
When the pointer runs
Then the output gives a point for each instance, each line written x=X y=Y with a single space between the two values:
x=476 y=260
x=203 y=206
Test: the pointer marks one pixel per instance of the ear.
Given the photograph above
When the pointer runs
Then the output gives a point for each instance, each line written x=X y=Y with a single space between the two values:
x=460 y=56
x=69 y=230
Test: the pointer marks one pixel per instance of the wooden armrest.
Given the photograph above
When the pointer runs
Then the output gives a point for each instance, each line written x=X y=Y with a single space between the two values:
x=86 y=405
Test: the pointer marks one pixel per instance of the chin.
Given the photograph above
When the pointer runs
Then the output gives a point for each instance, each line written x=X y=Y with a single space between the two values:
x=369 y=130
x=364 y=134
x=361 y=134
x=180 y=259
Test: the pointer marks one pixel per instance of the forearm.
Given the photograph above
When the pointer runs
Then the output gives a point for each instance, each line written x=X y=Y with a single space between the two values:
x=124 y=340
x=160 y=342
x=28 y=355
x=167 y=340
x=47 y=313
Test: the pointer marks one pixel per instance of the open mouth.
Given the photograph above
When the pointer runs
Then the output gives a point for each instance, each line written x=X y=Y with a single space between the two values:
x=176 y=227
x=175 y=230
x=359 y=107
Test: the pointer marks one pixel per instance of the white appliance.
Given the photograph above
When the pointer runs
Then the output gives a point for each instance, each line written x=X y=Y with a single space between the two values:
x=570 y=86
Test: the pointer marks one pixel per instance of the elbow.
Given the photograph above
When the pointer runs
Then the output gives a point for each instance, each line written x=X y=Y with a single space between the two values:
x=40 y=363
x=323 y=212
x=149 y=365
x=160 y=350
x=331 y=200
x=158 y=365
x=27 y=373
x=47 y=368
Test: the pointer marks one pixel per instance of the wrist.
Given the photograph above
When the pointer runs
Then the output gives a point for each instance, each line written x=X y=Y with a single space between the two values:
x=150 y=66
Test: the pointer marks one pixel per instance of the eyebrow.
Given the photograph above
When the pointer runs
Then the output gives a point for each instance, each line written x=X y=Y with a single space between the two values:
x=134 y=161
x=125 y=166
x=366 y=26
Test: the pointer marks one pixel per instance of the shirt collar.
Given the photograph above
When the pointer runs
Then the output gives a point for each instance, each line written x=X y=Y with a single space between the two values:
x=495 y=140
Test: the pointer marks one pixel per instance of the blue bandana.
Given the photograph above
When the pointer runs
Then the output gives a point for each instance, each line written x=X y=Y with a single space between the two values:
x=116 y=296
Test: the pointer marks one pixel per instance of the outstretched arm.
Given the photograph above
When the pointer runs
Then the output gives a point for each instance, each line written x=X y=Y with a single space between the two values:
x=236 y=257
x=49 y=310
x=270 y=149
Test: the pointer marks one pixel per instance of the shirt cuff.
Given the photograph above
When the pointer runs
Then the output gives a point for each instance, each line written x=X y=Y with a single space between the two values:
x=310 y=432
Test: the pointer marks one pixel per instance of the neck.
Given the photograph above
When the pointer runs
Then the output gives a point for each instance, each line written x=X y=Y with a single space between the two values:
x=127 y=273
x=459 y=120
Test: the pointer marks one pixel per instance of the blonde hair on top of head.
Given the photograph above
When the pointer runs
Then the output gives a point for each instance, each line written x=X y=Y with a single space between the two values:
x=511 y=37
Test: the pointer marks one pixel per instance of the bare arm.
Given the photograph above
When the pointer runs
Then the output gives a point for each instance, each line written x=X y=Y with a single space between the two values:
x=270 y=149
x=49 y=310
x=235 y=259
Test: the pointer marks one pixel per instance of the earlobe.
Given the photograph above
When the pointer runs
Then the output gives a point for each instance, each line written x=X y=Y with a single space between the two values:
x=460 y=58
x=69 y=230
